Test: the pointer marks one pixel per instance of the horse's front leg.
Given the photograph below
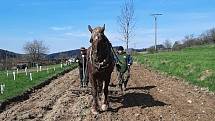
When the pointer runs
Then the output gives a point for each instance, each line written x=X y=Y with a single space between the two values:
x=105 y=103
x=95 y=97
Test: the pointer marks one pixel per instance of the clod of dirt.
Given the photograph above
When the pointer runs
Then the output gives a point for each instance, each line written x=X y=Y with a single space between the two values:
x=189 y=101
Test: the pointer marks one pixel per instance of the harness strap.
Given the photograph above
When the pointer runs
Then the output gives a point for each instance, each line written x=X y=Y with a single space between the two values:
x=106 y=60
x=115 y=55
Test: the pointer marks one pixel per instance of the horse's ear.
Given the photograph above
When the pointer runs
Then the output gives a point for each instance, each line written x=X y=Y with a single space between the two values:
x=103 y=28
x=90 y=28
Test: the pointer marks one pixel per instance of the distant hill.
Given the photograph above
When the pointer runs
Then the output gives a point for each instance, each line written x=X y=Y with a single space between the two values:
x=9 y=54
x=67 y=54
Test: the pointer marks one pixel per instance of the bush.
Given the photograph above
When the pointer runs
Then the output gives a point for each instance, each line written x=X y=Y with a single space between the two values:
x=151 y=50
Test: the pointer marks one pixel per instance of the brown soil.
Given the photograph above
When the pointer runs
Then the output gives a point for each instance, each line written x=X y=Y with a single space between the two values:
x=150 y=97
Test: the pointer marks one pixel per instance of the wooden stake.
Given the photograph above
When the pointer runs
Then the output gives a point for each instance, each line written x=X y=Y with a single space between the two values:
x=26 y=73
x=2 y=86
x=37 y=68
x=31 y=77
x=14 y=75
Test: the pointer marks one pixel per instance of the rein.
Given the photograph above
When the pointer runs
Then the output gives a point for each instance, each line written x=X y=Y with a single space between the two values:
x=115 y=54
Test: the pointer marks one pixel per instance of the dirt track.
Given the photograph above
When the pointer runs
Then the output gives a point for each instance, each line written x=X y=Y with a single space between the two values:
x=150 y=97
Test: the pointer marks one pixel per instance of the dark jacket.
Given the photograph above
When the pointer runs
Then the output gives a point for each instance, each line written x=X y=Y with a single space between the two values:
x=79 y=60
x=122 y=65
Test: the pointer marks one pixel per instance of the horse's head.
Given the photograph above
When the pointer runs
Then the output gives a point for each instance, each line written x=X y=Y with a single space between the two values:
x=97 y=37
x=100 y=45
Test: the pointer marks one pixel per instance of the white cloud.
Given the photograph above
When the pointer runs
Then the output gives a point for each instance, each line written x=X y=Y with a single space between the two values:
x=77 y=34
x=55 y=28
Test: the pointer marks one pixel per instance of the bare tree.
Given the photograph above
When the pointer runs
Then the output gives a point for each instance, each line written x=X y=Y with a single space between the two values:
x=167 y=44
x=126 y=21
x=211 y=35
x=35 y=50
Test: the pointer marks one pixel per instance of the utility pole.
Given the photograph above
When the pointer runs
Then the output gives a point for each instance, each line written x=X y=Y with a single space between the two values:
x=155 y=19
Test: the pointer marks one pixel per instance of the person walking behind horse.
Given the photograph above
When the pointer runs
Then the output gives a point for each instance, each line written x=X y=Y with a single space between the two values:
x=81 y=60
x=122 y=68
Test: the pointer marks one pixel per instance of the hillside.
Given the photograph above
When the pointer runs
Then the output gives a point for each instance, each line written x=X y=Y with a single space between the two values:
x=9 y=54
x=70 y=53
x=195 y=64
x=66 y=54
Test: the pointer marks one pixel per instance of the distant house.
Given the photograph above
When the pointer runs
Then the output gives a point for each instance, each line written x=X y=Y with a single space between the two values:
x=71 y=60
x=140 y=50
x=132 y=50
x=159 y=47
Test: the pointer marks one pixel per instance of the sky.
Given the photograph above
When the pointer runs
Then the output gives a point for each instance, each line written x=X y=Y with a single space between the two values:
x=62 y=24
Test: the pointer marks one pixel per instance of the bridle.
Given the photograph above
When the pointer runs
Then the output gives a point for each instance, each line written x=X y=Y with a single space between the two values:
x=105 y=62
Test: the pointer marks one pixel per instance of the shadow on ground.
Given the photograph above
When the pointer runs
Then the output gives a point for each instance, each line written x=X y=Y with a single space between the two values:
x=139 y=98
x=141 y=88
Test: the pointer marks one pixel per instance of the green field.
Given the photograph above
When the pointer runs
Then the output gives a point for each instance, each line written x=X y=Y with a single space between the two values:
x=23 y=82
x=195 y=64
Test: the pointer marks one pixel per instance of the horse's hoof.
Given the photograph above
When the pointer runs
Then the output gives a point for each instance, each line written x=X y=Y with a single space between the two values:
x=94 y=111
x=104 y=107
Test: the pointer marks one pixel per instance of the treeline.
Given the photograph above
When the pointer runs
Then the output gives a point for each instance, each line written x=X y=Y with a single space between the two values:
x=207 y=37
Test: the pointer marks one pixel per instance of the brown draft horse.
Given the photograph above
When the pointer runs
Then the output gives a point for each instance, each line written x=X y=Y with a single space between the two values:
x=100 y=66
